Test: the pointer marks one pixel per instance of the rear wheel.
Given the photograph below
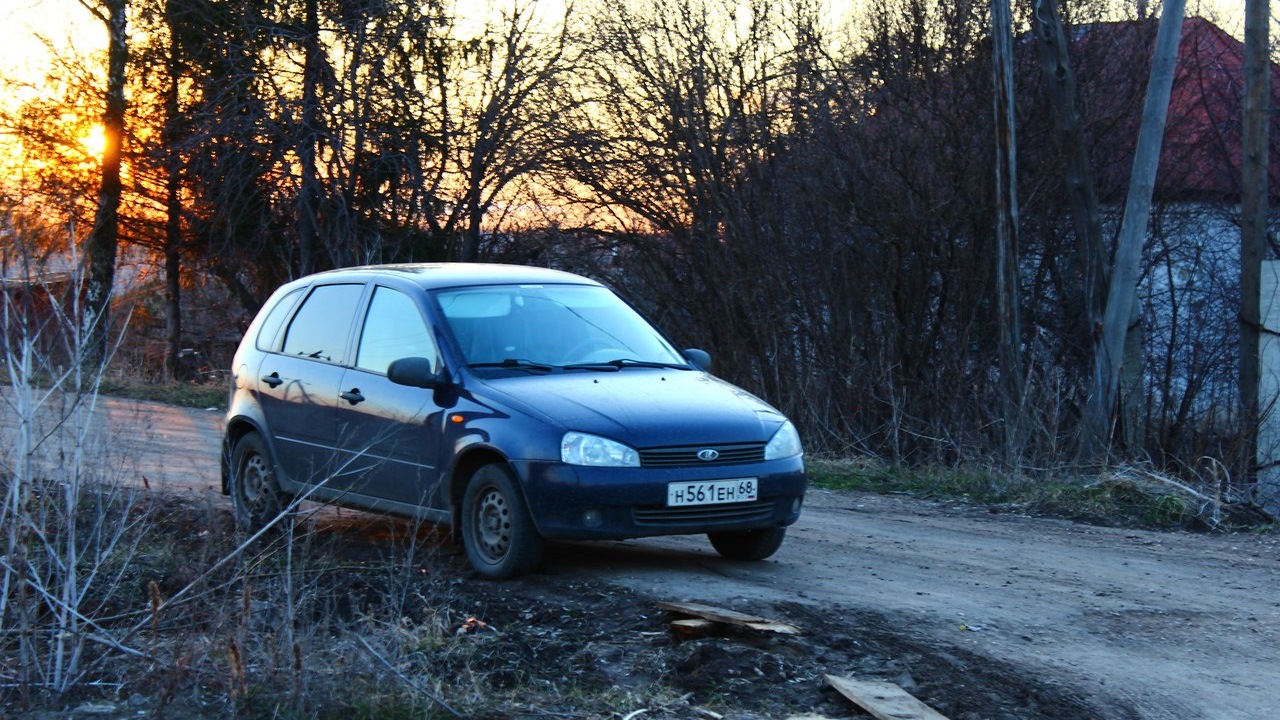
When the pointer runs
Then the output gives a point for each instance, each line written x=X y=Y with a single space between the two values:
x=748 y=544
x=255 y=492
x=497 y=531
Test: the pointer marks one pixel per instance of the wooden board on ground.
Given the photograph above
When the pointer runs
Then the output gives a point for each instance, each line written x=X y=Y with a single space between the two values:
x=884 y=700
x=730 y=617
x=688 y=628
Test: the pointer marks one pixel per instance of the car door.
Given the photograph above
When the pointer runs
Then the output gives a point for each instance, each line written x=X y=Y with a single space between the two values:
x=299 y=383
x=389 y=434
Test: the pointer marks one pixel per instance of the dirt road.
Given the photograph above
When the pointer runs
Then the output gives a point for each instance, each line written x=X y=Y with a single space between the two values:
x=1142 y=624
x=1138 y=624
x=168 y=445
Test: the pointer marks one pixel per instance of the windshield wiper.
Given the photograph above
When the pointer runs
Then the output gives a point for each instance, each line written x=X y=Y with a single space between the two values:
x=615 y=365
x=515 y=363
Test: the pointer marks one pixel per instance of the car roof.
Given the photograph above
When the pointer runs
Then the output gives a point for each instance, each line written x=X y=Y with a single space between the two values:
x=444 y=275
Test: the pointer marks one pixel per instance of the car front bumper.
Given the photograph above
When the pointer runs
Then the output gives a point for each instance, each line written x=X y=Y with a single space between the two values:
x=584 y=503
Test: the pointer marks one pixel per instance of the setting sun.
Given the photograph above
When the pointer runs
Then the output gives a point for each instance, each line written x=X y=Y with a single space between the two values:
x=94 y=141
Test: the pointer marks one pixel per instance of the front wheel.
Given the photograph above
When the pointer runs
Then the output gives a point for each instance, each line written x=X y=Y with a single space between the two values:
x=497 y=531
x=748 y=544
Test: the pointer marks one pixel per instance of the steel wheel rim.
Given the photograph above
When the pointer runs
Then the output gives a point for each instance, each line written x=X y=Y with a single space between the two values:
x=493 y=524
x=254 y=482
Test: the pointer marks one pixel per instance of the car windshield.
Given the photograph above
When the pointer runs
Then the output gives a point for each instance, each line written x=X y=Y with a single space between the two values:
x=542 y=327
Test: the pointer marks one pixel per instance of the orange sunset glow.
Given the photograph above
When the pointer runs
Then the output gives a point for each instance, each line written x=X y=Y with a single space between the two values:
x=94 y=141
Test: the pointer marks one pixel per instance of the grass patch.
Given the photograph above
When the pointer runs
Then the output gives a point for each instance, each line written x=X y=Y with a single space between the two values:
x=135 y=387
x=1122 y=497
x=193 y=395
x=1113 y=501
x=934 y=483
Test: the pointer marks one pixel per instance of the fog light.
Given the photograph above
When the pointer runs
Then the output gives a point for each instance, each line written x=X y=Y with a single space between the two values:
x=592 y=518
x=795 y=506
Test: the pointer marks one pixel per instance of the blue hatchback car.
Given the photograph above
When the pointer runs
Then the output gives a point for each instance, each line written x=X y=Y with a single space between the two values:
x=514 y=404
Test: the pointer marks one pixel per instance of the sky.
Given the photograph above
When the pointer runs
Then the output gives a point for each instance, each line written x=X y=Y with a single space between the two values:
x=65 y=22
x=69 y=23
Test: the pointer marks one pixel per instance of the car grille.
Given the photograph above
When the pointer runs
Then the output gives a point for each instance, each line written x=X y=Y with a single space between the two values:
x=702 y=514
x=686 y=455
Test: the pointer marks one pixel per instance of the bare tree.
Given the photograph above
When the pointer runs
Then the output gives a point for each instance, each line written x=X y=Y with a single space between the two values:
x=1069 y=131
x=502 y=106
x=100 y=247
x=682 y=106
x=171 y=138
x=158 y=162
x=314 y=72
x=1104 y=393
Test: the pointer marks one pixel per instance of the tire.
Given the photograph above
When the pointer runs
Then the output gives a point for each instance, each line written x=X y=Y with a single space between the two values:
x=747 y=544
x=497 y=532
x=255 y=491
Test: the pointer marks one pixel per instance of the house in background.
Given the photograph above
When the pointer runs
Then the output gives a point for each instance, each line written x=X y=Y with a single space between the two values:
x=1200 y=155
x=1189 y=292
x=36 y=294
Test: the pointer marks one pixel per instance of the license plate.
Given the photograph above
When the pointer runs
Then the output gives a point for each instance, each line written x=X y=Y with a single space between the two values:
x=713 y=492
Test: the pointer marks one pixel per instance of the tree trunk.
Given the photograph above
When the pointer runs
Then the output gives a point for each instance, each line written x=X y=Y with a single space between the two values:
x=1121 y=296
x=309 y=191
x=100 y=248
x=1007 y=226
x=1081 y=194
x=173 y=221
x=471 y=234
x=1253 y=221
x=1132 y=403
x=236 y=287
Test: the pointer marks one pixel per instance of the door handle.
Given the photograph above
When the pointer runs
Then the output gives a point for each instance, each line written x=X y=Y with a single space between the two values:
x=352 y=396
x=273 y=380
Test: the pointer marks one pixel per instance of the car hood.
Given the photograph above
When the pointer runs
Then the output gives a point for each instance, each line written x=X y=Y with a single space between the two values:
x=642 y=407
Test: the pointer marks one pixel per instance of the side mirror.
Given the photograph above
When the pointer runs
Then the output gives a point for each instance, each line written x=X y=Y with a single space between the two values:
x=700 y=358
x=416 y=372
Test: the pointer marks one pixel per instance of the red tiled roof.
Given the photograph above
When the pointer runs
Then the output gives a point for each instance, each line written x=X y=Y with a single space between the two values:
x=1200 y=156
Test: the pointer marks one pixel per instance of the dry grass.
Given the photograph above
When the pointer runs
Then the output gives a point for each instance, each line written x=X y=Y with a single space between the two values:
x=1124 y=495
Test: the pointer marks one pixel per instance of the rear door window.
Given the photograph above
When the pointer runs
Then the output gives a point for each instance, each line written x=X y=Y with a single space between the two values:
x=322 y=326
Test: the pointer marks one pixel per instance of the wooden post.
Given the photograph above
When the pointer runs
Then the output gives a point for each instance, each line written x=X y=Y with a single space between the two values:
x=1253 y=223
x=1007 y=226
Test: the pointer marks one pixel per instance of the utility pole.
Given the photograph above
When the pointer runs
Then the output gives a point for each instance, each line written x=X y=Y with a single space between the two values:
x=1007 y=225
x=1253 y=221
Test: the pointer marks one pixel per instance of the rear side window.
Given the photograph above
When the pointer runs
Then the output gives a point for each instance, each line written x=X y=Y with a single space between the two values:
x=269 y=332
x=393 y=329
x=322 y=325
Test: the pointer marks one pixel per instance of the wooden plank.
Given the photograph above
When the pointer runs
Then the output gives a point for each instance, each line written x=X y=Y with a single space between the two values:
x=884 y=700
x=774 y=627
x=687 y=628
x=730 y=617
x=710 y=613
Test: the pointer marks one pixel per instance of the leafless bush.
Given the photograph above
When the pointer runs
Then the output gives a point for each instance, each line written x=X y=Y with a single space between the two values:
x=70 y=526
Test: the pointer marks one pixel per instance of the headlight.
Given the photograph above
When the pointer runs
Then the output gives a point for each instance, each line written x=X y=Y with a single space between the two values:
x=581 y=449
x=784 y=444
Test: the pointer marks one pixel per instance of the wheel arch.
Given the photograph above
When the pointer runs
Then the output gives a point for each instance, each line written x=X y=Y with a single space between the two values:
x=237 y=428
x=463 y=468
